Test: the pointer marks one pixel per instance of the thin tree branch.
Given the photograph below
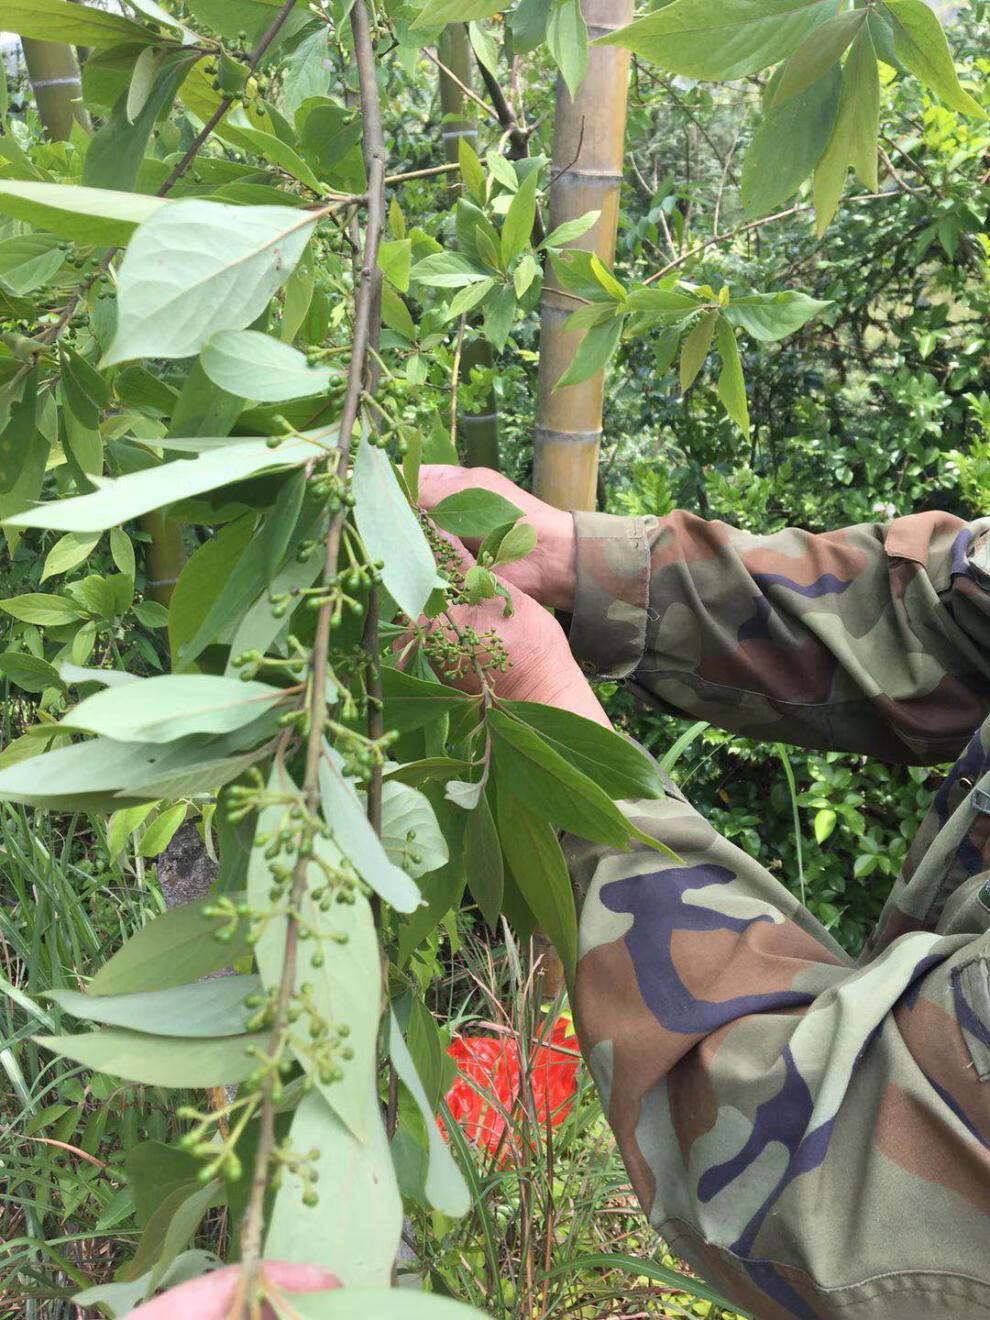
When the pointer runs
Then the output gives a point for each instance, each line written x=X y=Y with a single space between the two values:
x=365 y=337
x=449 y=73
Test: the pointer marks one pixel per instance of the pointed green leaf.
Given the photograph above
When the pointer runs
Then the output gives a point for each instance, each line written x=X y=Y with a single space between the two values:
x=731 y=386
x=920 y=44
x=788 y=143
x=822 y=48
x=162 y=1060
x=172 y=950
x=695 y=348
x=255 y=366
x=771 y=316
x=593 y=352
x=854 y=137
x=213 y=1007
x=173 y=706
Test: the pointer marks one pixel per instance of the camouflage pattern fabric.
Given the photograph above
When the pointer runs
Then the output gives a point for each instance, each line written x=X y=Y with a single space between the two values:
x=810 y=1133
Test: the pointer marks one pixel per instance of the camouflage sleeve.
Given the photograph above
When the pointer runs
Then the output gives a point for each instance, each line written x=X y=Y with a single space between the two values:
x=811 y=1135
x=872 y=639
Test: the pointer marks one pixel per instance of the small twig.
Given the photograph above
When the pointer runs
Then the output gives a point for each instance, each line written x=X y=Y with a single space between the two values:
x=455 y=372
x=421 y=174
x=449 y=73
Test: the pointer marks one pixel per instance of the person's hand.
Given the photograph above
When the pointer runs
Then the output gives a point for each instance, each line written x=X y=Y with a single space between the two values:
x=546 y=573
x=210 y=1296
x=541 y=666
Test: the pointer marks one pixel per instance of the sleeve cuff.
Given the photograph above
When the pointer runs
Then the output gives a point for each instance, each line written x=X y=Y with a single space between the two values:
x=612 y=593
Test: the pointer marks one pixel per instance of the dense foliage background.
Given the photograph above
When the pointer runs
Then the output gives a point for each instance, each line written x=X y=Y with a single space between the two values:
x=877 y=407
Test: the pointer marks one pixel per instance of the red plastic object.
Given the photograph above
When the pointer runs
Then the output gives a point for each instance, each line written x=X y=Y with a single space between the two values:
x=492 y=1065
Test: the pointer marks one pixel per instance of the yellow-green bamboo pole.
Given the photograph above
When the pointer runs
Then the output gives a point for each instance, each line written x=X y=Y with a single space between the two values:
x=589 y=135
x=479 y=430
x=53 y=72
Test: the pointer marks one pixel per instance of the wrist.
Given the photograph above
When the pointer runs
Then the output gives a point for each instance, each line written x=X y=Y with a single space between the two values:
x=559 y=568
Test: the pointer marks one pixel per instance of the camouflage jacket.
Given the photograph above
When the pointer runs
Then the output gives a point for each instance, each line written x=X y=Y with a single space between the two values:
x=811 y=1133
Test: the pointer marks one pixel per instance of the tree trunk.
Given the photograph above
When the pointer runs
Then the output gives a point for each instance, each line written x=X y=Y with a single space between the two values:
x=588 y=144
x=53 y=71
x=480 y=430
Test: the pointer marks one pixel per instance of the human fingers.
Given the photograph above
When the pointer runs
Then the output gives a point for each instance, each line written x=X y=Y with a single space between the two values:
x=210 y=1296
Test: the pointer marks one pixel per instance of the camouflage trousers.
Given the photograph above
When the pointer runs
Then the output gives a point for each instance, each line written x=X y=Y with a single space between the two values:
x=810 y=1133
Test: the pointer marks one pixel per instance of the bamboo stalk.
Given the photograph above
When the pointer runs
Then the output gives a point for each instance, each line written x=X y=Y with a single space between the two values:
x=479 y=430
x=589 y=133
x=53 y=72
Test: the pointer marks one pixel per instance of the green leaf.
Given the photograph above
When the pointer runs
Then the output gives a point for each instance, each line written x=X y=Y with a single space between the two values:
x=731 y=386
x=173 y=949
x=825 y=822
x=199 y=267
x=345 y=813
x=410 y=830
x=538 y=867
x=695 y=348
x=570 y=230
x=554 y=787
x=516 y=543
x=28 y=262
x=468 y=297
x=616 y=764
x=214 y=1007
x=123 y=824
x=787 y=144
x=255 y=366
x=160 y=832
x=23 y=452
x=87 y=215
x=593 y=352
x=483 y=861
x=719 y=39
x=854 y=137
x=119 y=1299
x=78 y=25
x=172 y=706
x=474 y=512
x=116 y=150
x=37 y=607
x=391 y=533
x=383 y=1304
x=154 y=1170
x=142 y=80
x=445 y=1187
x=471 y=171
x=447 y=270
x=169 y=1228
x=354 y=1228
x=161 y=1060
x=567 y=42
x=122 y=551
x=340 y=963
x=121 y=499
x=68 y=551
x=412 y=703
x=920 y=45
x=29 y=672
x=436 y=12
x=770 y=316
x=821 y=49
x=518 y=223
x=394 y=261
